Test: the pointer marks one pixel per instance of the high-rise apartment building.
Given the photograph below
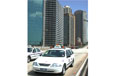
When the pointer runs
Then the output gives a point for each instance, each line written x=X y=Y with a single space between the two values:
x=53 y=23
x=35 y=22
x=69 y=27
x=81 y=24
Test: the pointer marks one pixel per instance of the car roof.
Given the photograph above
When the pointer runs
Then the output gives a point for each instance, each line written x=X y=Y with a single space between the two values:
x=60 y=49
x=33 y=47
x=30 y=47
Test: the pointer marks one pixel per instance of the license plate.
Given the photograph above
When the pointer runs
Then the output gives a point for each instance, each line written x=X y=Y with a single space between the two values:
x=43 y=69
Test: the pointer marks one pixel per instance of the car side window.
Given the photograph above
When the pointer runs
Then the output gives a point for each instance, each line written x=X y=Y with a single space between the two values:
x=71 y=51
x=67 y=53
x=37 y=50
x=34 y=51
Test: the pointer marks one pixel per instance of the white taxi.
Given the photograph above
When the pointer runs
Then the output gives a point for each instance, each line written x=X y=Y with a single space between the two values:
x=33 y=53
x=55 y=60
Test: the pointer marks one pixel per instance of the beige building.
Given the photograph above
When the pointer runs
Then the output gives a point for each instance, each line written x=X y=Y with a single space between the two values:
x=69 y=27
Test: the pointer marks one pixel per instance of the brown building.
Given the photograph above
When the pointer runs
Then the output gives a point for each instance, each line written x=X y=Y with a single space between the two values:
x=81 y=26
x=69 y=27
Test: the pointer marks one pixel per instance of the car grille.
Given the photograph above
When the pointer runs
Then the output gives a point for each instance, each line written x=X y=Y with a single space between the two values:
x=44 y=71
x=42 y=64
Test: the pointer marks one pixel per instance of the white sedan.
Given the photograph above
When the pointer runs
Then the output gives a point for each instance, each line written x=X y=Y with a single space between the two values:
x=33 y=53
x=54 y=61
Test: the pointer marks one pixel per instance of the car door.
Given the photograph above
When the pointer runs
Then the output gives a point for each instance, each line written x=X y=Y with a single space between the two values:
x=72 y=54
x=68 y=57
x=38 y=52
x=34 y=53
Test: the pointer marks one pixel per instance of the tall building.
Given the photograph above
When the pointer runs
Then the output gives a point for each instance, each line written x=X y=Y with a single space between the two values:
x=35 y=22
x=81 y=24
x=67 y=9
x=72 y=31
x=66 y=29
x=69 y=27
x=53 y=23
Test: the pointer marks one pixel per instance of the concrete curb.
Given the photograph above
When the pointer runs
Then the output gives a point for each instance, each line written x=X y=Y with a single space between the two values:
x=80 y=70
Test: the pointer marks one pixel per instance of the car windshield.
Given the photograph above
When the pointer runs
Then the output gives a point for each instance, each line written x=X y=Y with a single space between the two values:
x=54 y=53
x=29 y=49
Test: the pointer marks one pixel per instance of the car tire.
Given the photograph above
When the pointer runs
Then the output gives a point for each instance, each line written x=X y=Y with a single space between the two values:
x=63 y=70
x=29 y=59
x=72 y=64
x=35 y=72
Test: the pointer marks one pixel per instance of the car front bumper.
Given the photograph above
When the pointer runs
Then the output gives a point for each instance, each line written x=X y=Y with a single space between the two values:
x=47 y=69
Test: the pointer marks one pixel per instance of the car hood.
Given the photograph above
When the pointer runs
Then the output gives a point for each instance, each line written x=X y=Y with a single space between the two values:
x=50 y=60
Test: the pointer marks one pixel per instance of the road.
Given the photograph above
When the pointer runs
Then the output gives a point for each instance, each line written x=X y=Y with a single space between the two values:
x=80 y=55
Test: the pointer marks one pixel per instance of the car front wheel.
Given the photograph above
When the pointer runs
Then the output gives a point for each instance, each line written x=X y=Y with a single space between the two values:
x=72 y=64
x=28 y=59
x=63 y=70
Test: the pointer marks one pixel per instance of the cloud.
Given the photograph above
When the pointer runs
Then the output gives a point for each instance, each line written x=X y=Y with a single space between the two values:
x=37 y=13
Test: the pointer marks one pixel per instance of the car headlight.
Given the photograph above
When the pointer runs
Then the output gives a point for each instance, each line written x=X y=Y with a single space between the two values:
x=35 y=64
x=56 y=65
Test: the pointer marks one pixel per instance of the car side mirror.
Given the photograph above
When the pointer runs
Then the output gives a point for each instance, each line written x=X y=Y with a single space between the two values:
x=40 y=54
x=68 y=56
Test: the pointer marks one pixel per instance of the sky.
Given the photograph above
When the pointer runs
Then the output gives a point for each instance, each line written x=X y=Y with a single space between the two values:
x=75 y=4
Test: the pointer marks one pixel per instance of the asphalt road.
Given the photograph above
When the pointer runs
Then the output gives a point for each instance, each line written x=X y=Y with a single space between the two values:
x=80 y=55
